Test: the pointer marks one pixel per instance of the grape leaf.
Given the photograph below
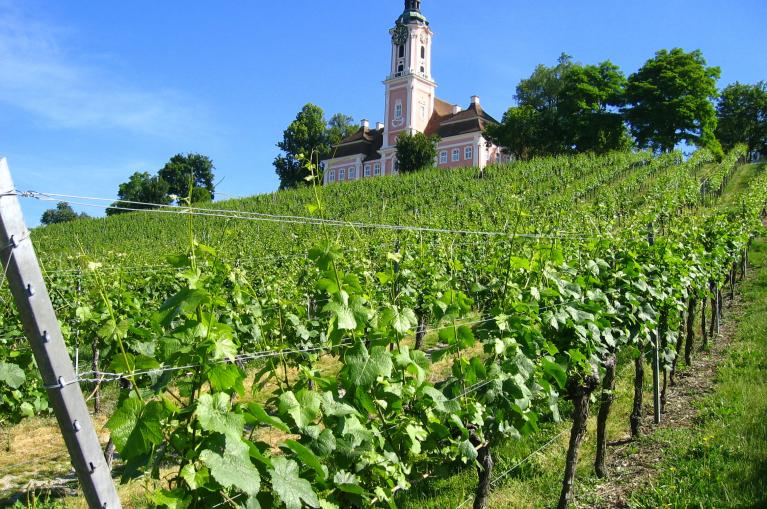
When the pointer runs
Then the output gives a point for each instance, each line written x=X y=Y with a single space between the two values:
x=292 y=490
x=303 y=407
x=12 y=375
x=214 y=415
x=364 y=368
x=233 y=468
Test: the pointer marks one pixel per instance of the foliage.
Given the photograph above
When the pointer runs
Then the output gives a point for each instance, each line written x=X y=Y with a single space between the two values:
x=718 y=461
x=742 y=115
x=308 y=135
x=343 y=411
x=190 y=171
x=669 y=101
x=63 y=213
x=141 y=189
x=416 y=151
x=567 y=108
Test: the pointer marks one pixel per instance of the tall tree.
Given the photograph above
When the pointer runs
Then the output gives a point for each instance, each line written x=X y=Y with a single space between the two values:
x=339 y=127
x=416 y=152
x=186 y=172
x=63 y=213
x=588 y=108
x=670 y=100
x=567 y=108
x=308 y=135
x=147 y=191
x=742 y=114
x=519 y=132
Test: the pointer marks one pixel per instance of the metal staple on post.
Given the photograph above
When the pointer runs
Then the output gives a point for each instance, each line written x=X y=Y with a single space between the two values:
x=47 y=342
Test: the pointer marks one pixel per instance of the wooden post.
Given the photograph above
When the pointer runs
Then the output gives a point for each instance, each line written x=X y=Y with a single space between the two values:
x=42 y=330
x=655 y=350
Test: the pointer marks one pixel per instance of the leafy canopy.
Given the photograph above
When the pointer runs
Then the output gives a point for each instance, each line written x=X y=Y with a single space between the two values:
x=143 y=188
x=173 y=182
x=742 y=115
x=669 y=101
x=193 y=171
x=416 y=151
x=63 y=213
x=310 y=134
x=567 y=108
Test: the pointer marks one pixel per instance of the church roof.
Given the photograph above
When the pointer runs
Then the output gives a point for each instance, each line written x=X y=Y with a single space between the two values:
x=365 y=141
x=444 y=123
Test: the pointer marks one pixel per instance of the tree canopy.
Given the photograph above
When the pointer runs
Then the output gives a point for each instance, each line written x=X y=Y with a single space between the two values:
x=416 y=152
x=567 y=108
x=63 y=213
x=183 y=172
x=742 y=115
x=670 y=100
x=310 y=134
x=143 y=189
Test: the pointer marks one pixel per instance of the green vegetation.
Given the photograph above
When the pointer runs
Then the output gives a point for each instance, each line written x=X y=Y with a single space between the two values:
x=568 y=108
x=669 y=101
x=292 y=380
x=416 y=151
x=63 y=213
x=310 y=135
x=742 y=115
x=722 y=460
x=183 y=178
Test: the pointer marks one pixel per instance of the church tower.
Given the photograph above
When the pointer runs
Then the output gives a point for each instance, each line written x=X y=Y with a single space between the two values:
x=410 y=89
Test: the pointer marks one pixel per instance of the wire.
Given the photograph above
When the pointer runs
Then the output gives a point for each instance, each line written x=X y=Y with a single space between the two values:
x=495 y=481
x=33 y=461
x=257 y=216
x=264 y=354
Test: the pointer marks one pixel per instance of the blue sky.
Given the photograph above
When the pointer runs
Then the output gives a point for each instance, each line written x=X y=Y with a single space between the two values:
x=92 y=91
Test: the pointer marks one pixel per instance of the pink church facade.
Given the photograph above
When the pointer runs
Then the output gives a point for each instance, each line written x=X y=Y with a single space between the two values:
x=412 y=106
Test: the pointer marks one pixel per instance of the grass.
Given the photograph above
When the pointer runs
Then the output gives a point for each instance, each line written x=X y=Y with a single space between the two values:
x=739 y=182
x=721 y=462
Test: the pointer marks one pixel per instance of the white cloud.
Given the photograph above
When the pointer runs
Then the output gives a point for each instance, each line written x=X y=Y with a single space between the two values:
x=38 y=76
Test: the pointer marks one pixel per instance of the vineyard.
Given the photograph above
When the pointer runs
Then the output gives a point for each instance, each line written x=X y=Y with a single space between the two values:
x=333 y=347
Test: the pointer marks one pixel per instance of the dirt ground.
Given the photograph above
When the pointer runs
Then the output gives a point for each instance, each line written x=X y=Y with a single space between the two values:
x=633 y=465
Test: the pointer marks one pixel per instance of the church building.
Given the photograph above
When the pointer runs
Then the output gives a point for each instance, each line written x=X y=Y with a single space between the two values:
x=412 y=106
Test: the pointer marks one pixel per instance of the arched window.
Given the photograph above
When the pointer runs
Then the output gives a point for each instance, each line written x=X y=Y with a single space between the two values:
x=402 y=51
x=423 y=51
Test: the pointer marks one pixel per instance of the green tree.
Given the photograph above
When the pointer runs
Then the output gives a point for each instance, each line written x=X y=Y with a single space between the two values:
x=63 y=213
x=185 y=171
x=669 y=101
x=563 y=109
x=519 y=132
x=309 y=135
x=588 y=108
x=742 y=115
x=416 y=152
x=339 y=127
x=146 y=191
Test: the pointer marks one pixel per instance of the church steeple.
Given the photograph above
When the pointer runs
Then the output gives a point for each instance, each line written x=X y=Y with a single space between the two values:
x=410 y=88
x=412 y=13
